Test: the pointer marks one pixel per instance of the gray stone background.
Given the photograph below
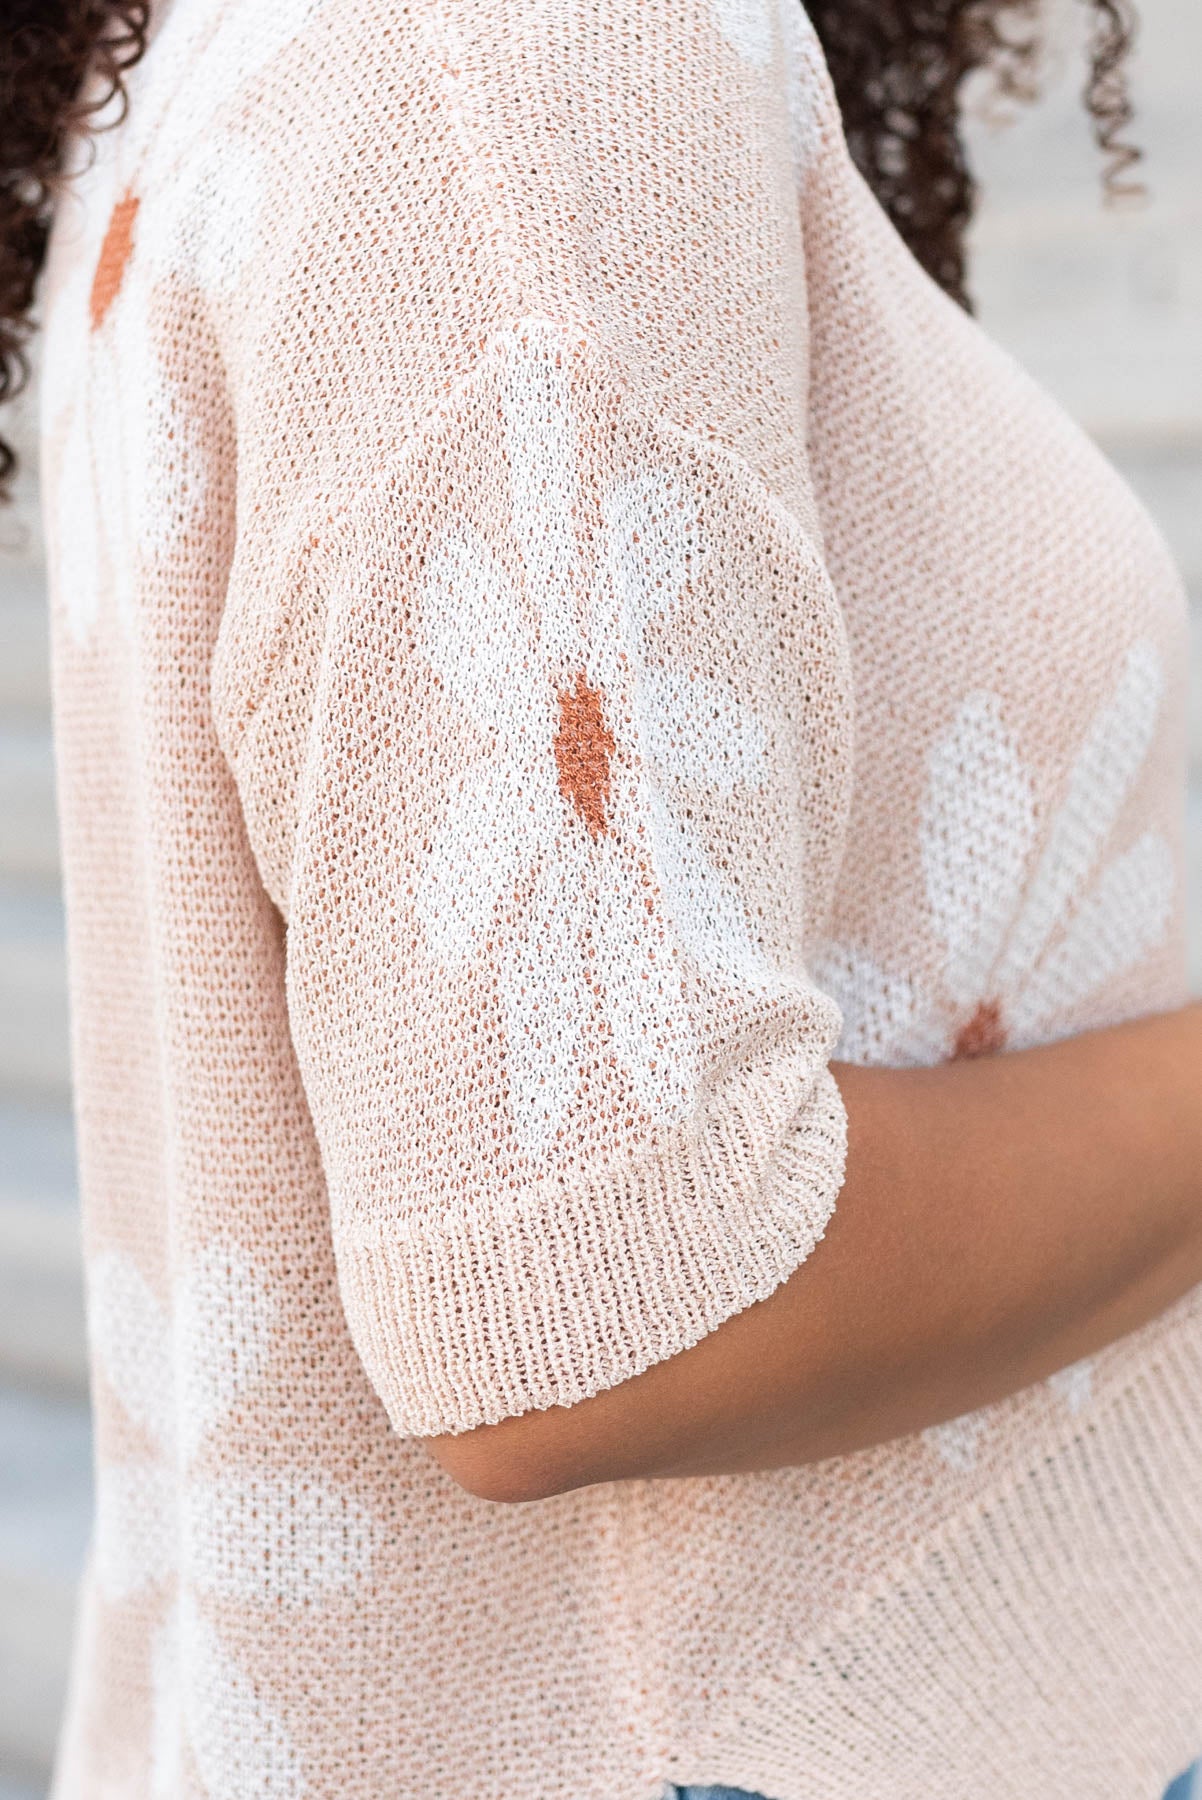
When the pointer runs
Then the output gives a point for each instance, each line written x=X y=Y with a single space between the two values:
x=1104 y=306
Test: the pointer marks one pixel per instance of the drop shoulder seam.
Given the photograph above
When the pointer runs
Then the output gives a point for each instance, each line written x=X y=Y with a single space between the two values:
x=342 y=511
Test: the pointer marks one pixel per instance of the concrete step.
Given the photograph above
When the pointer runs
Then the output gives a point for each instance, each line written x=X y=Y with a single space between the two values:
x=34 y=1056
x=45 y=1517
x=42 y=1339
x=1100 y=302
x=24 y=628
x=1103 y=318
x=28 y=823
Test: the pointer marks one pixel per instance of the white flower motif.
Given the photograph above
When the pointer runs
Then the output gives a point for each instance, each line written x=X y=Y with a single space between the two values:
x=1074 y=1384
x=1023 y=947
x=133 y=478
x=260 y=1538
x=200 y=66
x=587 y=732
x=1026 y=938
x=956 y=1439
x=750 y=27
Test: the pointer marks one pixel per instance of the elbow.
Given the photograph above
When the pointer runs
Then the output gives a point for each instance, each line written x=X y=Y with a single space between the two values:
x=515 y=1461
x=647 y=1425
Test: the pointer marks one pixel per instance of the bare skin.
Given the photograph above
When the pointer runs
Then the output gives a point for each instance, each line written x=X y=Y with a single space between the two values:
x=999 y=1219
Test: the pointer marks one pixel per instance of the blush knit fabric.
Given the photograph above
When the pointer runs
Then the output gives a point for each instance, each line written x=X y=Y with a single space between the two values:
x=560 y=629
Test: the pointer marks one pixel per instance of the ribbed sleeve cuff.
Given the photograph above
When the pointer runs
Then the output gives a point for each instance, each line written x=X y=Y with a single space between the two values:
x=545 y=1299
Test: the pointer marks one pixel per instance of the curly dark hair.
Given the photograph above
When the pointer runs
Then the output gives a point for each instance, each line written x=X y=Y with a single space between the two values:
x=898 y=67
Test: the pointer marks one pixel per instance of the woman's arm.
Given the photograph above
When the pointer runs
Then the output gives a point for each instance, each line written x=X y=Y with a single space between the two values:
x=999 y=1219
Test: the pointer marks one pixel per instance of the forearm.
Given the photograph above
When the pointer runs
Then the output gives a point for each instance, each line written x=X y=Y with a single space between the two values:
x=1001 y=1218
x=998 y=1219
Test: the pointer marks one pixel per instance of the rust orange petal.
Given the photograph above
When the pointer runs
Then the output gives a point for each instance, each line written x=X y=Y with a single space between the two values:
x=583 y=747
x=114 y=258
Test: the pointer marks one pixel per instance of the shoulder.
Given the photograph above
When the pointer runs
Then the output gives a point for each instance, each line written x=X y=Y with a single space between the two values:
x=359 y=193
x=356 y=196
x=538 y=141
x=535 y=138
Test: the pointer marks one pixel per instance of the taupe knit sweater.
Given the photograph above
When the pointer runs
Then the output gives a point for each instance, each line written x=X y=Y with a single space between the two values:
x=556 y=619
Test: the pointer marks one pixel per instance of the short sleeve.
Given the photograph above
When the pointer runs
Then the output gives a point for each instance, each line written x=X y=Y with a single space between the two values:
x=546 y=802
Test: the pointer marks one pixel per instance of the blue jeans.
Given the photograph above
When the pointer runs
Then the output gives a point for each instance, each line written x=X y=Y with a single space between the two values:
x=1186 y=1787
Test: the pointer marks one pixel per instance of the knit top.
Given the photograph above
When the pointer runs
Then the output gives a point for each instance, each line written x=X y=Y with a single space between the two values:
x=560 y=630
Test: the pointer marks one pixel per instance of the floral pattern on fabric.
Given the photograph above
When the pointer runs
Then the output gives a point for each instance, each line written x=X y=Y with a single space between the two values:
x=574 y=799
x=255 y=764
x=1022 y=947
x=1025 y=939
x=128 y=435
x=750 y=26
x=261 y=1538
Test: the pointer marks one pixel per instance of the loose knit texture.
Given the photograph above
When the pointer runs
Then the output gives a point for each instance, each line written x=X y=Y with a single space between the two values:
x=559 y=629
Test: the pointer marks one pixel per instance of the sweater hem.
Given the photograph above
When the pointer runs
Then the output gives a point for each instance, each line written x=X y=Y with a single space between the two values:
x=991 y=1668
x=557 y=1296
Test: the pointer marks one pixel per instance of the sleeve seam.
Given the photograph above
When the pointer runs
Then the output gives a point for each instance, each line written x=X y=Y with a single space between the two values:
x=515 y=307
x=340 y=515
